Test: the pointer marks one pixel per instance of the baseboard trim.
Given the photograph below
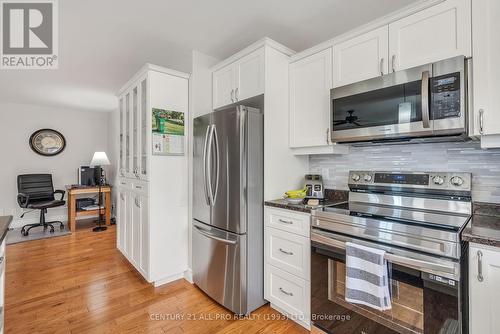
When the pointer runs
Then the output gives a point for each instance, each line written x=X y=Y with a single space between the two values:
x=188 y=275
x=168 y=279
x=305 y=324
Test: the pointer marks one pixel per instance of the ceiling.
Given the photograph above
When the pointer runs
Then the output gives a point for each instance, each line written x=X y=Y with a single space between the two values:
x=103 y=43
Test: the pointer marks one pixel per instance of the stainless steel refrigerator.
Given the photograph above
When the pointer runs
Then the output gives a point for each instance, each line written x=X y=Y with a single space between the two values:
x=228 y=234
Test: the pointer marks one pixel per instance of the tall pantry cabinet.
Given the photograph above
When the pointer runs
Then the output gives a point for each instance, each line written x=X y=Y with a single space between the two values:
x=152 y=224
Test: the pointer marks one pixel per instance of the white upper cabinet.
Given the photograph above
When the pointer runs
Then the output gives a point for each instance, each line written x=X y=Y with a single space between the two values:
x=223 y=81
x=436 y=33
x=249 y=76
x=362 y=57
x=239 y=80
x=486 y=71
x=310 y=84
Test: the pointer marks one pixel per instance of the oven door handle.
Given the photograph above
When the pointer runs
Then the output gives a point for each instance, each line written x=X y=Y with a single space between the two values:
x=447 y=270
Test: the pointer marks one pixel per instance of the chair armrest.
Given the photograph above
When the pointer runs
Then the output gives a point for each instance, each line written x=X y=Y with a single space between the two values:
x=62 y=192
x=23 y=200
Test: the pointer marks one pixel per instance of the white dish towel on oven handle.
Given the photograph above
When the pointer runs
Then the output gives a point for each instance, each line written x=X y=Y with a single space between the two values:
x=367 y=279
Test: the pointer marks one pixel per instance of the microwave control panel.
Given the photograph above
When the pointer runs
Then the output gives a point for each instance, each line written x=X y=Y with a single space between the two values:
x=445 y=92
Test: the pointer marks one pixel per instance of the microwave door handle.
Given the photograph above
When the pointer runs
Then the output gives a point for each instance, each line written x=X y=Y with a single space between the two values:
x=425 y=99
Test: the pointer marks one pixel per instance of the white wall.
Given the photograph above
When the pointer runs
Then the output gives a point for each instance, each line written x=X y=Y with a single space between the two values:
x=85 y=133
x=200 y=103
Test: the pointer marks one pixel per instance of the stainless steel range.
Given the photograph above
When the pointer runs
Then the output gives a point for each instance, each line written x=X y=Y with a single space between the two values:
x=417 y=218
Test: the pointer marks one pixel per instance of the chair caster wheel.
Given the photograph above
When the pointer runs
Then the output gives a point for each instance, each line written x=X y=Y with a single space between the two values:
x=25 y=233
x=52 y=231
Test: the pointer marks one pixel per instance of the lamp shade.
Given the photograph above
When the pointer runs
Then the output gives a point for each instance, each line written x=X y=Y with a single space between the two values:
x=99 y=159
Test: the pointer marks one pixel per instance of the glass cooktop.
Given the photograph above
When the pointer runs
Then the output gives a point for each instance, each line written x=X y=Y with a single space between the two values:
x=434 y=219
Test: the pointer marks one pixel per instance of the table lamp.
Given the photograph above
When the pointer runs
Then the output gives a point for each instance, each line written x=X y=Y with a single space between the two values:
x=99 y=159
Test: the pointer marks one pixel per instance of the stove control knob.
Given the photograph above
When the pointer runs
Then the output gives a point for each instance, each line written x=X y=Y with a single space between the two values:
x=438 y=180
x=368 y=177
x=457 y=181
x=355 y=177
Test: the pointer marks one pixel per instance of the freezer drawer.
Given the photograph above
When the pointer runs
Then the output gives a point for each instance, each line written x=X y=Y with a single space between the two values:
x=219 y=266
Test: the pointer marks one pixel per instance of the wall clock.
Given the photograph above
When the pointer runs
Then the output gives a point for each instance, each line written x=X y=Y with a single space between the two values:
x=47 y=142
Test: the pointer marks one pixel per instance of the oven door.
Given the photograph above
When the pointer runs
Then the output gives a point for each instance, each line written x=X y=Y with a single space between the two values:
x=421 y=302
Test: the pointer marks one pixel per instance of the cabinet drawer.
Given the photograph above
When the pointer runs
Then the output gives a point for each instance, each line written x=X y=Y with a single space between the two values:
x=288 y=251
x=140 y=187
x=289 y=221
x=289 y=293
x=124 y=183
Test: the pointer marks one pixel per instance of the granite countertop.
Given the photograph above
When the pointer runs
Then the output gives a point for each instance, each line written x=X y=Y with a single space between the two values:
x=4 y=226
x=484 y=226
x=331 y=197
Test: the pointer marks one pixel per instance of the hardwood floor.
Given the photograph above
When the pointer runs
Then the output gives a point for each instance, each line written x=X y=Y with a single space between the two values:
x=80 y=283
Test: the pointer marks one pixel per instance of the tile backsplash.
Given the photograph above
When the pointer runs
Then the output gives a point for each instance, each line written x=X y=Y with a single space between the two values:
x=464 y=157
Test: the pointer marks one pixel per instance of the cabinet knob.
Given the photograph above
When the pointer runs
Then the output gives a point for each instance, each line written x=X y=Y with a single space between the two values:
x=393 y=61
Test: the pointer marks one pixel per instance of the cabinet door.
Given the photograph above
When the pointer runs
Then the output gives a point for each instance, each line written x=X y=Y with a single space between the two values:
x=484 y=294
x=144 y=231
x=128 y=225
x=310 y=83
x=223 y=86
x=136 y=230
x=361 y=58
x=135 y=130
x=123 y=222
x=436 y=33
x=123 y=132
x=144 y=130
x=121 y=213
x=249 y=76
x=486 y=71
x=128 y=134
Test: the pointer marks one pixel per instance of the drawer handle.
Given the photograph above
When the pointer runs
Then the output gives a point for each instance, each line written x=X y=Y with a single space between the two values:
x=285 y=252
x=286 y=292
x=138 y=187
x=286 y=221
x=480 y=277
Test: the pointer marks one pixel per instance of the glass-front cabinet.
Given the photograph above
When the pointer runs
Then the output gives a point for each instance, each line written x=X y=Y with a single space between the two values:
x=144 y=130
x=133 y=104
x=121 y=107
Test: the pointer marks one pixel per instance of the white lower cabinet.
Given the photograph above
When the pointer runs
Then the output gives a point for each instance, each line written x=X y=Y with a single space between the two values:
x=484 y=286
x=133 y=225
x=287 y=250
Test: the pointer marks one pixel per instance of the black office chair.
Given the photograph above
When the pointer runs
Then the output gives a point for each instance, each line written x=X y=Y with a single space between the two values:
x=36 y=192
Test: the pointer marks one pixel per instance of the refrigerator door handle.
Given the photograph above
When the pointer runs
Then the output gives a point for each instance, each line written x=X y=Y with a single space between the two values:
x=215 y=140
x=205 y=178
x=211 y=236
x=208 y=173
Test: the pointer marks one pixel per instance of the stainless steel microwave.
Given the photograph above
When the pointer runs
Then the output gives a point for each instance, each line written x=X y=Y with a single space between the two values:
x=424 y=102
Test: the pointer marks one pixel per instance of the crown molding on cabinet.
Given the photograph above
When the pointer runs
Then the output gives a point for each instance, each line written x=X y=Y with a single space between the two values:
x=375 y=24
x=266 y=41
x=151 y=67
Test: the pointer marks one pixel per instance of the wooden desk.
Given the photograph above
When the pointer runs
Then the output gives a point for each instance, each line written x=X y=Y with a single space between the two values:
x=73 y=192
